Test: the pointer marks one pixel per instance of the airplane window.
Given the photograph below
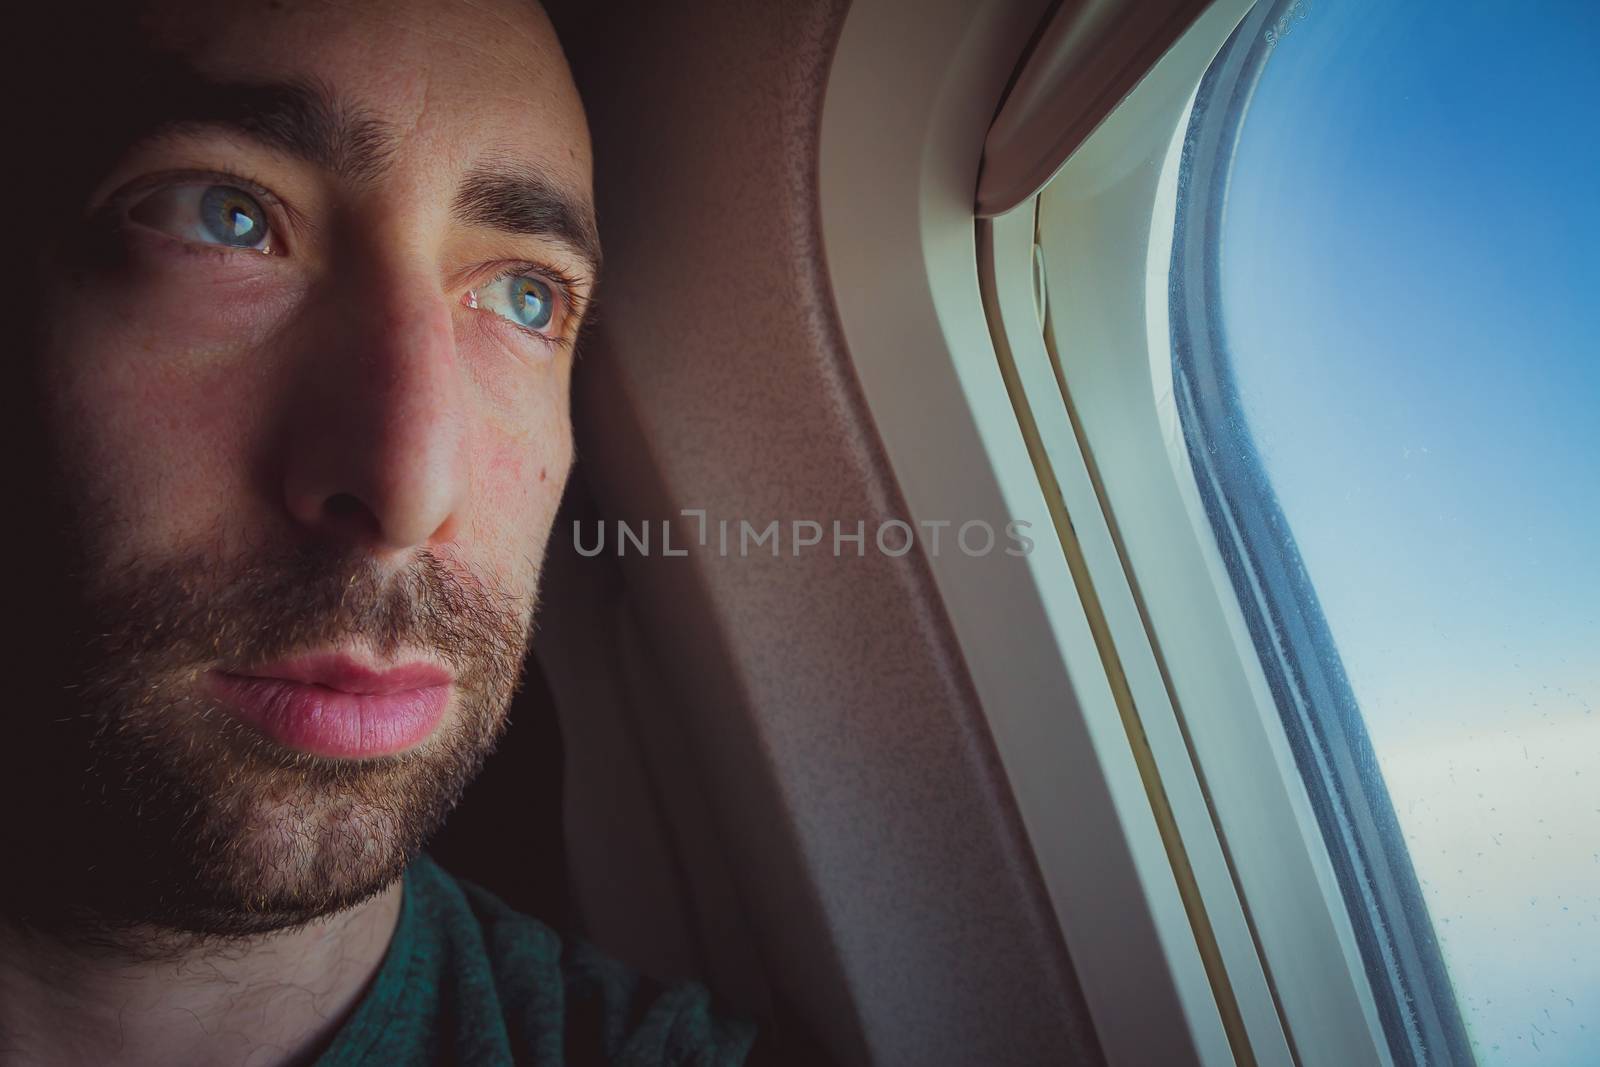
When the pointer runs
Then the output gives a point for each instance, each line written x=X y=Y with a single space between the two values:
x=1384 y=325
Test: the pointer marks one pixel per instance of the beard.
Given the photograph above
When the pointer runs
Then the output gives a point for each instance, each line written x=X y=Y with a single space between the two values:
x=138 y=803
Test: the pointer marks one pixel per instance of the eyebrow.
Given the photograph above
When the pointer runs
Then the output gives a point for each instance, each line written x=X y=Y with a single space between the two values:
x=307 y=120
x=302 y=119
x=519 y=199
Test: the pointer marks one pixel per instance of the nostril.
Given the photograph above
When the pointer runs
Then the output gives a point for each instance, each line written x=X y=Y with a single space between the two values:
x=343 y=506
x=347 y=512
x=347 y=517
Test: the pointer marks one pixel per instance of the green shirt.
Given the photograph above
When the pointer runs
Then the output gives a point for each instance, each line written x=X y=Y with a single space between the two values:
x=469 y=981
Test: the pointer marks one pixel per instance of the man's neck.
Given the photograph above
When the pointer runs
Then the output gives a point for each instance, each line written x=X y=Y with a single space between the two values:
x=273 y=1000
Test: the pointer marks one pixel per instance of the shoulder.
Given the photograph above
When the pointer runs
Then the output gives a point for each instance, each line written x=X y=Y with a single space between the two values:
x=563 y=996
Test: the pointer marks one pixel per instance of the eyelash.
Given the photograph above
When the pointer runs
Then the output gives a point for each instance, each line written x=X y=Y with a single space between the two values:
x=113 y=214
x=564 y=286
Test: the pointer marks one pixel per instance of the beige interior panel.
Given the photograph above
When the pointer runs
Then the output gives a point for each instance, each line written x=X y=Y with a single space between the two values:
x=784 y=755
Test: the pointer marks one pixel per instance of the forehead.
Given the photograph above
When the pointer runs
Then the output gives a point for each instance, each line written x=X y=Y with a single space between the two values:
x=447 y=82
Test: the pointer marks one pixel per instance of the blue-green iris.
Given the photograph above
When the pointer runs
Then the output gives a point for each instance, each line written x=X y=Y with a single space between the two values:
x=232 y=216
x=532 y=303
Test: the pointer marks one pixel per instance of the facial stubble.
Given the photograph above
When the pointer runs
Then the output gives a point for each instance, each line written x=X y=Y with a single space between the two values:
x=158 y=809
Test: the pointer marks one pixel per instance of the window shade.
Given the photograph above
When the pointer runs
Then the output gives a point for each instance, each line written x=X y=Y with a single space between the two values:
x=1089 y=55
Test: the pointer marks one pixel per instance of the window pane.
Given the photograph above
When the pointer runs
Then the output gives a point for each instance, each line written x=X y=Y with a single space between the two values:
x=1406 y=283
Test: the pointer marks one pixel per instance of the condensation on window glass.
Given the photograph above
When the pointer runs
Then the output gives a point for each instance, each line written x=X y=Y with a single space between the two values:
x=1409 y=289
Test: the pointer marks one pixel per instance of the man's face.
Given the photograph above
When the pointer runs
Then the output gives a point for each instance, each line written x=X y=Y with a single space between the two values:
x=301 y=352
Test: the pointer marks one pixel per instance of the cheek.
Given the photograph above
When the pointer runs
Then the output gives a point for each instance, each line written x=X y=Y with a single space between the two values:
x=152 y=388
x=518 y=477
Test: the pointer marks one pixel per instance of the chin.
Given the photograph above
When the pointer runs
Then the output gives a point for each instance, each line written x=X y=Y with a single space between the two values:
x=193 y=824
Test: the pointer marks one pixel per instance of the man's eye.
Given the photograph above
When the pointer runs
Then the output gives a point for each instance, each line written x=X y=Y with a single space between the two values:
x=207 y=214
x=520 y=298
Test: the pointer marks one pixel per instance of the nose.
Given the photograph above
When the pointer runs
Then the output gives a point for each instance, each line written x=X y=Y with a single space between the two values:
x=376 y=454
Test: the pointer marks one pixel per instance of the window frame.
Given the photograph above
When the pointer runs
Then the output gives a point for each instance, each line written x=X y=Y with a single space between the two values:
x=1107 y=228
x=910 y=97
x=1174 y=836
x=1322 y=719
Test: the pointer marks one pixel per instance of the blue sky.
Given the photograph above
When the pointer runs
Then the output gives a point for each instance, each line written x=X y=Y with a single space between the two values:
x=1409 y=286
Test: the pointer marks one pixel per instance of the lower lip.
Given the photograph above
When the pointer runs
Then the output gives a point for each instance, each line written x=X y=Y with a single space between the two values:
x=331 y=722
